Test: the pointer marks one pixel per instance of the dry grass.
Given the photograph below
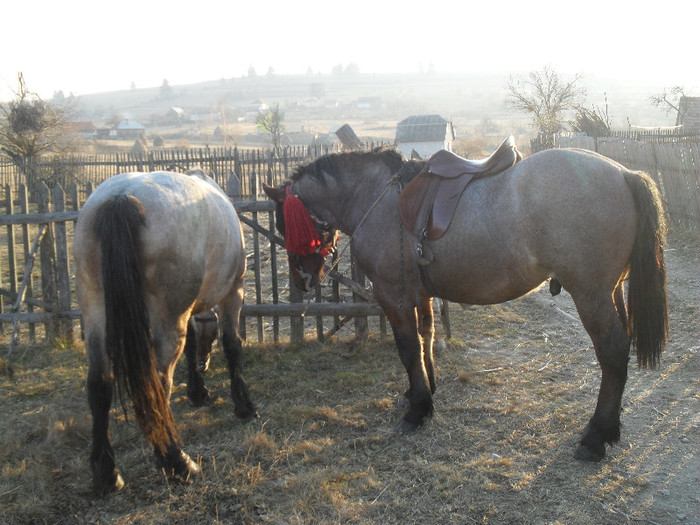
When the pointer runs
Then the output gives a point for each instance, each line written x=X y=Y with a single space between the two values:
x=517 y=383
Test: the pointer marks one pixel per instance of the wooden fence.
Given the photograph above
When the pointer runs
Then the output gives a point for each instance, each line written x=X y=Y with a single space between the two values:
x=42 y=293
x=674 y=165
x=250 y=166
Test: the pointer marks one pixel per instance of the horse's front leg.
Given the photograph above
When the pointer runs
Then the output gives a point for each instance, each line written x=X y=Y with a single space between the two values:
x=196 y=390
x=427 y=322
x=404 y=324
x=229 y=315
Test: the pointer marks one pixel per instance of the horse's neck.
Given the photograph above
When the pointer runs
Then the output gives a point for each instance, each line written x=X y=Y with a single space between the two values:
x=361 y=199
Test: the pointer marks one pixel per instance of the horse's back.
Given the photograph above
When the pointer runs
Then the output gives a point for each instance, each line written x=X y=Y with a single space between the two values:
x=192 y=246
x=557 y=212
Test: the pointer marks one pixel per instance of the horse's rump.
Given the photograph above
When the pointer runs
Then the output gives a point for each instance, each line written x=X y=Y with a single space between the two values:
x=119 y=222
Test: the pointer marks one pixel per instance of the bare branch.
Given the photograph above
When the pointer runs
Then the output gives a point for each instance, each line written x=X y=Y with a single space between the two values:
x=669 y=99
x=31 y=127
x=270 y=121
x=546 y=96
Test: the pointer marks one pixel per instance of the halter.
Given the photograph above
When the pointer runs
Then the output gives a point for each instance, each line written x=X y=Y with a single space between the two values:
x=303 y=228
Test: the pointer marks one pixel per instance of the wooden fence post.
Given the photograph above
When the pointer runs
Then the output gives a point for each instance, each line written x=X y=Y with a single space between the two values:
x=273 y=273
x=361 y=324
x=48 y=265
x=23 y=196
x=256 y=259
x=10 y=250
x=63 y=291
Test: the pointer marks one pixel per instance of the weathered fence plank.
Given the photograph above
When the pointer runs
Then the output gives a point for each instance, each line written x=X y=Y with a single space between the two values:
x=63 y=287
x=55 y=216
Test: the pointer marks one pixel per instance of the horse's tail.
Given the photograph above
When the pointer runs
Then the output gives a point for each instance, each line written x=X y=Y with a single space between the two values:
x=647 y=304
x=128 y=338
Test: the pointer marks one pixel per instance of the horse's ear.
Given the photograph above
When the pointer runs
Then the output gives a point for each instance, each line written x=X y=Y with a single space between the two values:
x=276 y=194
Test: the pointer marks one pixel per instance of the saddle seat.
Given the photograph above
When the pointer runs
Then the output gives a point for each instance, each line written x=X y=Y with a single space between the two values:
x=428 y=202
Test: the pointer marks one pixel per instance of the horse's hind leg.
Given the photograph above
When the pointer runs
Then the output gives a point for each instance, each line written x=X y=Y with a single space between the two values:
x=612 y=347
x=168 y=344
x=105 y=476
x=229 y=315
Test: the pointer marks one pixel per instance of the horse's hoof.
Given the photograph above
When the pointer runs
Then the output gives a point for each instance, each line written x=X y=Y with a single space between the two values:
x=584 y=453
x=406 y=427
x=403 y=402
x=200 y=397
x=188 y=468
x=184 y=468
x=247 y=414
x=176 y=464
x=116 y=484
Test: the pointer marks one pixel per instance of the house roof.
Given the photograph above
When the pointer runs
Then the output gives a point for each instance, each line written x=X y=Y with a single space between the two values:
x=348 y=137
x=129 y=124
x=423 y=128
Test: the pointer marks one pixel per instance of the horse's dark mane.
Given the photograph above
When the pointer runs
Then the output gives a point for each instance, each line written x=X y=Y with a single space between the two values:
x=335 y=164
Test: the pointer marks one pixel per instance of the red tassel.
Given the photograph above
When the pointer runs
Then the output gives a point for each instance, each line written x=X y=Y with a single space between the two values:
x=300 y=235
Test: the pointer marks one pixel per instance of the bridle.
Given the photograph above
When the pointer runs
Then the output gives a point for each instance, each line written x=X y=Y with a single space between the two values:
x=324 y=226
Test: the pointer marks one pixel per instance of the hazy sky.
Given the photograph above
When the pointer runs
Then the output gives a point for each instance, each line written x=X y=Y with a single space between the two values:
x=83 y=46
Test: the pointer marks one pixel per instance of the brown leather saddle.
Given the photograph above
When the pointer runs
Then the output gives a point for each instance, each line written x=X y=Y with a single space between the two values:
x=428 y=202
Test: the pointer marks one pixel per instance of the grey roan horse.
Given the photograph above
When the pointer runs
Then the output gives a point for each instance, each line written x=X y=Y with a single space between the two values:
x=571 y=215
x=150 y=251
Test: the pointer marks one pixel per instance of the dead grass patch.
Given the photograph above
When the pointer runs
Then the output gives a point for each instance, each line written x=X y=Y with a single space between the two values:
x=516 y=385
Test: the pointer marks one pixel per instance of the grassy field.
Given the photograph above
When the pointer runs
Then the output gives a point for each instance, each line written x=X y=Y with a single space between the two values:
x=517 y=383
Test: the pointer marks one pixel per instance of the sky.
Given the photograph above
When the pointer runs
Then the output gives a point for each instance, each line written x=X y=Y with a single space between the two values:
x=81 y=47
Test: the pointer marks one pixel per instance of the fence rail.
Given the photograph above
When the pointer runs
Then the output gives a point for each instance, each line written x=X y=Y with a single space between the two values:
x=43 y=294
x=265 y=312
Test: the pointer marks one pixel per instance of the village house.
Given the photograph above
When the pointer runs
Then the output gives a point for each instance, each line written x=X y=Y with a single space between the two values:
x=423 y=135
x=128 y=129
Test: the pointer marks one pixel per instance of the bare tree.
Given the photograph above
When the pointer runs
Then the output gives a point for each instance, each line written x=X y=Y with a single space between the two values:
x=270 y=121
x=593 y=122
x=31 y=127
x=166 y=90
x=547 y=97
x=669 y=99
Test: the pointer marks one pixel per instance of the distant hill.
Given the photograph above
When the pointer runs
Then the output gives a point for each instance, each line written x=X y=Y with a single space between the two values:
x=460 y=98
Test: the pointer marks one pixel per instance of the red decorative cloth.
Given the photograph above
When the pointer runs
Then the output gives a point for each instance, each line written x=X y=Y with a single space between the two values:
x=301 y=237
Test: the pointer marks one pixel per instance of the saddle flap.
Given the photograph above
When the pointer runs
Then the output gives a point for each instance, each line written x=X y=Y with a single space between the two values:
x=413 y=198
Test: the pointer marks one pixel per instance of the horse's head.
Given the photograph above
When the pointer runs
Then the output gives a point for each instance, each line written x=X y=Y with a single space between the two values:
x=308 y=239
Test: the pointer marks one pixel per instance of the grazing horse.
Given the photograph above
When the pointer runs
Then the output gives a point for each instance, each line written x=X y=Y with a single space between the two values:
x=151 y=250
x=571 y=215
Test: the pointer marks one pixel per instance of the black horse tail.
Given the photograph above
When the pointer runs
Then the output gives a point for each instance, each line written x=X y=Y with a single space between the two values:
x=128 y=337
x=647 y=302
